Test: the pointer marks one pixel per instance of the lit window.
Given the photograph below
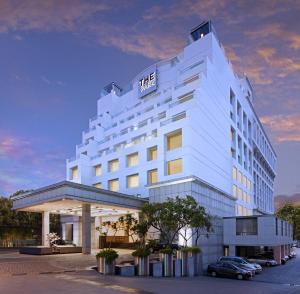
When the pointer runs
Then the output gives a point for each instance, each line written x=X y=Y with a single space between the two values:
x=74 y=173
x=132 y=159
x=234 y=173
x=249 y=185
x=240 y=175
x=152 y=176
x=240 y=194
x=133 y=181
x=174 y=140
x=245 y=196
x=98 y=185
x=113 y=165
x=240 y=210
x=249 y=211
x=113 y=185
x=249 y=198
x=244 y=211
x=234 y=191
x=174 y=166
x=245 y=181
x=98 y=170
x=152 y=153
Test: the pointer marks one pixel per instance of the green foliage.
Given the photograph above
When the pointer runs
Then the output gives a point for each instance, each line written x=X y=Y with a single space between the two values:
x=174 y=215
x=167 y=250
x=141 y=252
x=193 y=249
x=291 y=213
x=109 y=254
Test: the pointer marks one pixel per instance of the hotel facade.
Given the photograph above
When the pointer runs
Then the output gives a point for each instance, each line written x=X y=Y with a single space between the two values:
x=183 y=126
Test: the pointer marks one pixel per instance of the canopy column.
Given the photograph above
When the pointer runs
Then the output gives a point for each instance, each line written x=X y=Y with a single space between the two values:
x=86 y=228
x=45 y=227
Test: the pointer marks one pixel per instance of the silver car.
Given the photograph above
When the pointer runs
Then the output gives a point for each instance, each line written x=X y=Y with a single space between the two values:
x=262 y=260
x=242 y=260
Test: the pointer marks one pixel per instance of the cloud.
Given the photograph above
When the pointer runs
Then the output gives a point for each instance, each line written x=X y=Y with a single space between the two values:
x=284 y=128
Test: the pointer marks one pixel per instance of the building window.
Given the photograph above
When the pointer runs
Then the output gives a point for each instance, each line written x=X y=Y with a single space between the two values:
x=98 y=185
x=113 y=185
x=133 y=181
x=174 y=140
x=245 y=196
x=240 y=176
x=240 y=194
x=249 y=185
x=152 y=153
x=246 y=226
x=174 y=166
x=98 y=170
x=276 y=225
x=245 y=181
x=113 y=165
x=249 y=198
x=133 y=159
x=74 y=173
x=240 y=210
x=152 y=176
x=234 y=173
x=234 y=191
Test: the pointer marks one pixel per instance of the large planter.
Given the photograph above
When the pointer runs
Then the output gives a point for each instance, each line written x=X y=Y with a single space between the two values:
x=142 y=265
x=193 y=264
x=167 y=259
x=183 y=256
x=104 y=267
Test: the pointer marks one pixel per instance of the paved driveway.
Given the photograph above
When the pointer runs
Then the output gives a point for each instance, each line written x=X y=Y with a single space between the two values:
x=73 y=274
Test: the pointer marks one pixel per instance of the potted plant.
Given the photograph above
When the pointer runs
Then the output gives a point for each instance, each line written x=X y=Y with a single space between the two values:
x=166 y=256
x=182 y=254
x=106 y=261
x=193 y=260
x=141 y=260
x=52 y=239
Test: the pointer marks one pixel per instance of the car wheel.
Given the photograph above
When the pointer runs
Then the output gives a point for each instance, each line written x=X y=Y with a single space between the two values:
x=239 y=276
x=213 y=274
x=268 y=264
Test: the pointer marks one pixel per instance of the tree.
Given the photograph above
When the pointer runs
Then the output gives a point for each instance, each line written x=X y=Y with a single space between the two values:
x=176 y=216
x=291 y=213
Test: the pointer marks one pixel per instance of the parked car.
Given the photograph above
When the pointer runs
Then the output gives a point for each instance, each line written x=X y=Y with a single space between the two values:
x=261 y=260
x=246 y=267
x=284 y=259
x=228 y=270
x=242 y=260
x=293 y=254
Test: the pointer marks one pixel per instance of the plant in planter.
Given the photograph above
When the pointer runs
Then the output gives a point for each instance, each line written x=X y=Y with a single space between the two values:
x=141 y=260
x=166 y=256
x=52 y=239
x=106 y=261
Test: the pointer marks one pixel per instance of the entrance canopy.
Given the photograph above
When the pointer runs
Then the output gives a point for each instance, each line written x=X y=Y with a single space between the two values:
x=68 y=198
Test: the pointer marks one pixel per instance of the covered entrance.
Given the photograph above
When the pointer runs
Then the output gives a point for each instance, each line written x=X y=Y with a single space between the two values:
x=83 y=208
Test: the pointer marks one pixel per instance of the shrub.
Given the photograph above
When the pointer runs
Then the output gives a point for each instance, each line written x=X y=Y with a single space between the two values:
x=109 y=254
x=167 y=250
x=141 y=252
x=193 y=249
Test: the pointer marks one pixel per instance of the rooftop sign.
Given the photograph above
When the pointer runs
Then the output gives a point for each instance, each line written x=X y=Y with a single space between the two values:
x=147 y=83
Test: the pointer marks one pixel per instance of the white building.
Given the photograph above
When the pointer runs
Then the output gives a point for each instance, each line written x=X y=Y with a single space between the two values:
x=185 y=118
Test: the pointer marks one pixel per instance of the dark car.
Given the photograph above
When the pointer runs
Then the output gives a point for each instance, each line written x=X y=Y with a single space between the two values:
x=228 y=270
x=242 y=260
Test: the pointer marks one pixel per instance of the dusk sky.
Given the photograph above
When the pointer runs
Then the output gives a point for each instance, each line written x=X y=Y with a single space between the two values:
x=57 y=55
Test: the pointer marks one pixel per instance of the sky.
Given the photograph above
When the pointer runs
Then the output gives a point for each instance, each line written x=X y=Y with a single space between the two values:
x=57 y=55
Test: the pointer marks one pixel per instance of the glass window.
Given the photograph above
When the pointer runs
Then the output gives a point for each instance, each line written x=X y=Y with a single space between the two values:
x=240 y=194
x=240 y=175
x=133 y=159
x=152 y=153
x=174 y=166
x=245 y=181
x=244 y=211
x=98 y=185
x=98 y=170
x=152 y=176
x=249 y=185
x=240 y=210
x=74 y=173
x=245 y=196
x=234 y=191
x=249 y=198
x=174 y=140
x=113 y=185
x=113 y=165
x=246 y=226
x=133 y=181
x=234 y=173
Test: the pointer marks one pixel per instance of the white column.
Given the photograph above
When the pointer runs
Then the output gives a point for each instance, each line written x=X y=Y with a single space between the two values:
x=98 y=223
x=45 y=227
x=86 y=228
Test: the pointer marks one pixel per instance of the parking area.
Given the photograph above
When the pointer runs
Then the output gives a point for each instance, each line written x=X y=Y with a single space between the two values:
x=72 y=273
